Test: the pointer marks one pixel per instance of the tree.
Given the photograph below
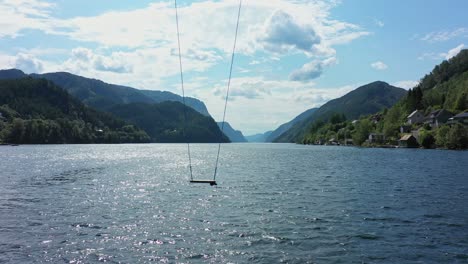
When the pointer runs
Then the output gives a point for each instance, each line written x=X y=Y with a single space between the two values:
x=426 y=139
x=457 y=137
x=392 y=122
x=461 y=103
x=17 y=131
x=441 y=136
x=363 y=128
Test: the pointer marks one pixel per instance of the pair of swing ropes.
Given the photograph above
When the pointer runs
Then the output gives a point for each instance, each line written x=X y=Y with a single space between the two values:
x=183 y=92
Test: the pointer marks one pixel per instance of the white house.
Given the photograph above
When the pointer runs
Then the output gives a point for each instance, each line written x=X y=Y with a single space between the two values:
x=415 y=117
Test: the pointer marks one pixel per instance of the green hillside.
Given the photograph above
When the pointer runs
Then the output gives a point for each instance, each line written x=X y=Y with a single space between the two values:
x=364 y=100
x=441 y=94
x=109 y=97
x=36 y=111
x=164 y=122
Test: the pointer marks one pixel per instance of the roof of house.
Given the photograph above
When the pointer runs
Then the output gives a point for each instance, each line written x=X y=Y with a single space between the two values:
x=461 y=115
x=437 y=113
x=414 y=113
x=406 y=137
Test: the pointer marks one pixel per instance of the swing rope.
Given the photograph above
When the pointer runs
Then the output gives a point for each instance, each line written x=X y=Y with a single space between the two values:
x=227 y=90
x=184 y=130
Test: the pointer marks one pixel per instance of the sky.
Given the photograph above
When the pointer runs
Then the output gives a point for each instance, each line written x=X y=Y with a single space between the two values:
x=290 y=55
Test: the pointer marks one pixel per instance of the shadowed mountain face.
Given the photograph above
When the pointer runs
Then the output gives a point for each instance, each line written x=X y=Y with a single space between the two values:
x=159 y=113
x=367 y=99
x=165 y=122
x=231 y=133
x=36 y=111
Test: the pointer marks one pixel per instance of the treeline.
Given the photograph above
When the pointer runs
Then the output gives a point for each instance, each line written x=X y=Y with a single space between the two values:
x=453 y=136
x=61 y=131
x=35 y=111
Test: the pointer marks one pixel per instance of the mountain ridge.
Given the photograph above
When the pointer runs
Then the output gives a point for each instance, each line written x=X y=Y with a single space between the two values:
x=103 y=95
x=286 y=126
x=366 y=99
x=231 y=133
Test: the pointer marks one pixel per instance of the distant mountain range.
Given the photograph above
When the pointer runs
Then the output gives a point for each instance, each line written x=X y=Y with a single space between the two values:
x=286 y=126
x=258 y=138
x=231 y=133
x=101 y=95
x=364 y=100
x=159 y=113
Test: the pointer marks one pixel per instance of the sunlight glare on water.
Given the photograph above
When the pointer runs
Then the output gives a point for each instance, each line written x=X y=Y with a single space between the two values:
x=274 y=203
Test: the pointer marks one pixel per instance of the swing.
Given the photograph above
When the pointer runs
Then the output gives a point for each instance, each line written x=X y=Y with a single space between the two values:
x=192 y=180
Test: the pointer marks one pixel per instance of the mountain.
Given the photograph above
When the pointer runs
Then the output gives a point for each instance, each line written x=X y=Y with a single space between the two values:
x=441 y=98
x=364 y=100
x=161 y=96
x=164 y=122
x=103 y=96
x=110 y=97
x=231 y=133
x=286 y=126
x=12 y=74
x=36 y=111
x=262 y=137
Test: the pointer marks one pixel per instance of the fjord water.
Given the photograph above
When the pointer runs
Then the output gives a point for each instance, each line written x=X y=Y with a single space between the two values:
x=274 y=203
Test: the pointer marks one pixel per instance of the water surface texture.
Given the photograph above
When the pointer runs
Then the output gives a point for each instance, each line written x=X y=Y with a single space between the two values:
x=274 y=203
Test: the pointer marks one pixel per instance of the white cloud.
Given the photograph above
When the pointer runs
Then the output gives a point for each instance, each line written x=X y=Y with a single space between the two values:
x=311 y=70
x=307 y=72
x=84 y=59
x=19 y=14
x=378 y=65
x=283 y=33
x=248 y=88
x=28 y=63
x=7 y=61
x=443 y=55
x=263 y=28
x=453 y=52
x=408 y=84
x=440 y=36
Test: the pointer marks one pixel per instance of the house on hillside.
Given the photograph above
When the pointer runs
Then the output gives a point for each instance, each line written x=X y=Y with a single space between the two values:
x=408 y=141
x=415 y=117
x=437 y=118
x=376 y=138
x=461 y=118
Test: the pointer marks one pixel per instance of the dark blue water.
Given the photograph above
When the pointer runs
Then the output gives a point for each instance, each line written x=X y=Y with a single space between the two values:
x=274 y=203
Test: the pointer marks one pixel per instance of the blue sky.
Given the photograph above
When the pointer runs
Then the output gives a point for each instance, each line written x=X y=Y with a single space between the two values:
x=291 y=56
